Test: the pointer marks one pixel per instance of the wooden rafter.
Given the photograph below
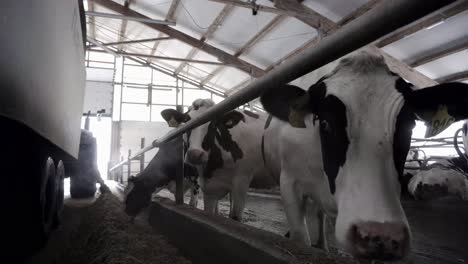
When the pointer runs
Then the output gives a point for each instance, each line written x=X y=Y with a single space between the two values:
x=440 y=52
x=130 y=54
x=123 y=27
x=130 y=42
x=92 y=27
x=406 y=72
x=399 y=67
x=170 y=16
x=223 y=14
x=306 y=15
x=249 y=44
x=459 y=76
x=359 y=12
x=432 y=20
x=218 y=53
x=355 y=14
x=260 y=8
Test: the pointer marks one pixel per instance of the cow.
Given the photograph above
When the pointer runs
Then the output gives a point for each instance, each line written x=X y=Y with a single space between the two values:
x=448 y=177
x=160 y=172
x=226 y=151
x=343 y=143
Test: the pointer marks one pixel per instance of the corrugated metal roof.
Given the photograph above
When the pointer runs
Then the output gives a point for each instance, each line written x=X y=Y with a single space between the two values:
x=194 y=18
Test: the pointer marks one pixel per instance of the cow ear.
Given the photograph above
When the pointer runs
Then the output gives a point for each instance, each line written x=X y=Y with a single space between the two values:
x=174 y=118
x=291 y=104
x=231 y=119
x=439 y=106
x=132 y=179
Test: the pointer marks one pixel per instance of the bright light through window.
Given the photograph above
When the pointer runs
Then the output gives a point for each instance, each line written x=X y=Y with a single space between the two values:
x=420 y=129
x=102 y=132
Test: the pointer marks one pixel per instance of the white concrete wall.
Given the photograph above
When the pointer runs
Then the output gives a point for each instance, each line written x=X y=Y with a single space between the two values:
x=131 y=133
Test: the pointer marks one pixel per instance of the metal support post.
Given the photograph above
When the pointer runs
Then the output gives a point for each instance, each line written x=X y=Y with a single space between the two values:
x=142 y=157
x=129 y=165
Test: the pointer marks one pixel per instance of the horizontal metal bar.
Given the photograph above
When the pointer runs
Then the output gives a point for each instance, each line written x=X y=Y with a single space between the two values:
x=127 y=54
x=384 y=19
x=141 y=151
x=144 y=20
x=131 y=42
x=106 y=49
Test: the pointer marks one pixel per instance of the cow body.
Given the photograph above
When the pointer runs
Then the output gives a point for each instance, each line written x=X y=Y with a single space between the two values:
x=227 y=155
x=448 y=177
x=343 y=144
x=161 y=172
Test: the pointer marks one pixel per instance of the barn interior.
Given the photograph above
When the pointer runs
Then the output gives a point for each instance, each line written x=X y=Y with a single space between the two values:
x=144 y=56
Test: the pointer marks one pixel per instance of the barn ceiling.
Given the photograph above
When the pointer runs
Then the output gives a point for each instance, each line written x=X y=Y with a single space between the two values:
x=221 y=44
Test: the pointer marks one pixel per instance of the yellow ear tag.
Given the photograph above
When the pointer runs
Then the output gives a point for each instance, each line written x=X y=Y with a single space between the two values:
x=296 y=118
x=173 y=122
x=437 y=121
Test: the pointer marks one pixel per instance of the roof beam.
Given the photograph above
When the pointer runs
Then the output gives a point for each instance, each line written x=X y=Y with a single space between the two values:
x=306 y=15
x=128 y=54
x=440 y=52
x=249 y=44
x=445 y=13
x=359 y=12
x=223 y=14
x=401 y=68
x=123 y=27
x=170 y=16
x=218 y=53
x=260 y=8
x=130 y=42
x=92 y=27
x=355 y=14
x=131 y=18
x=459 y=76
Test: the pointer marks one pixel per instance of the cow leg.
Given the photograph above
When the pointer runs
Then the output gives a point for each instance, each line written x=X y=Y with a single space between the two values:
x=238 y=196
x=294 y=207
x=193 y=198
x=315 y=220
x=210 y=204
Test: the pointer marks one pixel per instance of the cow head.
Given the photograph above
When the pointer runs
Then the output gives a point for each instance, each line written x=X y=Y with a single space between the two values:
x=137 y=196
x=365 y=115
x=204 y=142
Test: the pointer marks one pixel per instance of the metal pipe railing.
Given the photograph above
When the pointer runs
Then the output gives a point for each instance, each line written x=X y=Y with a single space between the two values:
x=383 y=19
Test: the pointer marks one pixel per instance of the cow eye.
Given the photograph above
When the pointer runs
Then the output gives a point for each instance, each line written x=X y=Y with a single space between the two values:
x=325 y=126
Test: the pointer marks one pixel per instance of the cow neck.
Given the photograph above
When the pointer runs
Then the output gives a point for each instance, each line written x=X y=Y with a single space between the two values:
x=217 y=131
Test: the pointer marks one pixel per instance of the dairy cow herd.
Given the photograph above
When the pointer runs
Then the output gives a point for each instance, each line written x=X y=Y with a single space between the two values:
x=338 y=148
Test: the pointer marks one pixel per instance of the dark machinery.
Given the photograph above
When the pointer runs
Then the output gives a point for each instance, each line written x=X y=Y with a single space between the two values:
x=42 y=79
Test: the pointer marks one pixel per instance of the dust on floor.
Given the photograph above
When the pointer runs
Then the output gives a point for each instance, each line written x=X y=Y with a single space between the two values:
x=102 y=233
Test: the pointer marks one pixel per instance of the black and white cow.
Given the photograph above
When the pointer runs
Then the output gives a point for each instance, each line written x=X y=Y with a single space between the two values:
x=448 y=177
x=160 y=172
x=343 y=144
x=227 y=152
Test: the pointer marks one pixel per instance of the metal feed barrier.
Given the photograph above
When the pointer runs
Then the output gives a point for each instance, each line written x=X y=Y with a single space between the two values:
x=389 y=16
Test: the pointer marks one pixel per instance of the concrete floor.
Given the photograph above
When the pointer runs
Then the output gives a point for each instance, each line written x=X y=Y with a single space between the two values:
x=439 y=228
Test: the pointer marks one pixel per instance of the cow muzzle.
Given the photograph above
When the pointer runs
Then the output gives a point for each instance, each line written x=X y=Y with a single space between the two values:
x=379 y=241
x=196 y=156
